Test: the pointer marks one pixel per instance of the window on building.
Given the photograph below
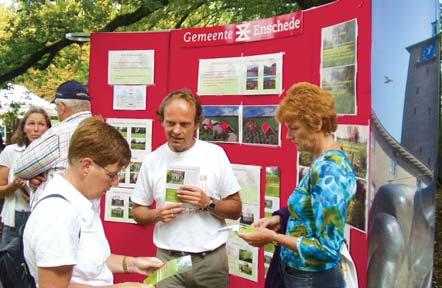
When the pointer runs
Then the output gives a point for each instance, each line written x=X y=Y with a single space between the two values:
x=418 y=59
x=414 y=110
x=417 y=90
x=420 y=150
x=393 y=168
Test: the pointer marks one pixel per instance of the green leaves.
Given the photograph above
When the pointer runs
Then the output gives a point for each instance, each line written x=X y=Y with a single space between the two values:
x=32 y=37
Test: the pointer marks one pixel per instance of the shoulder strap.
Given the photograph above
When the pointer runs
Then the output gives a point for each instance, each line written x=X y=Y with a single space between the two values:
x=51 y=196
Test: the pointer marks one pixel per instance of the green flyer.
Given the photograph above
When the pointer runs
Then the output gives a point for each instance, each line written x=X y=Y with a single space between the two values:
x=169 y=269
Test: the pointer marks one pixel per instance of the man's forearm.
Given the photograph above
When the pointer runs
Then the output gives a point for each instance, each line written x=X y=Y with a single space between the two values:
x=228 y=208
x=145 y=215
x=38 y=157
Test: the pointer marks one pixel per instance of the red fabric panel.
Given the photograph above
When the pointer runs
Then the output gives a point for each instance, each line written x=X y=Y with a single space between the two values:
x=177 y=67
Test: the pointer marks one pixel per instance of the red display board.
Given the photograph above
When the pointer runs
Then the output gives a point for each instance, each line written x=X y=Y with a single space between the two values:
x=176 y=66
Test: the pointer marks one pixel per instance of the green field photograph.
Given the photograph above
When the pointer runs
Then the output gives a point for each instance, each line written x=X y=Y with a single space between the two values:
x=245 y=255
x=175 y=176
x=272 y=181
x=221 y=124
x=340 y=81
x=245 y=268
x=138 y=144
x=117 y=212
x=338 y=44
x=138 y=132
x=353 y=139
x=260 y=126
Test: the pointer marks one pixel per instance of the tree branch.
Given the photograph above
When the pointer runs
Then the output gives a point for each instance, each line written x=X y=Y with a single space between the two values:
x=306 y=4
x=119 y=21
x=47 y=62
x=33 y=59
x=129 y=18
x=52 y=50
x=186 y=15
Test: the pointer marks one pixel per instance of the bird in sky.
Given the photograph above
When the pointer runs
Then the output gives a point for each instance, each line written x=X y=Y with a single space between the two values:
x=387 y=79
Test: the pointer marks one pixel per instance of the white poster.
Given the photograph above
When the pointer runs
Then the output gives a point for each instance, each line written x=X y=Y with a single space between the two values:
x=248 y=75
x=138 y=133
x=118 y=206
x=243 y=258
x=130 y=97
x=131 y=67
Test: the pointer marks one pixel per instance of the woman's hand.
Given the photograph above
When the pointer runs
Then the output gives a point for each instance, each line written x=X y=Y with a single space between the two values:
x=259 y=237
x=143 y=265
x=18 y=183
x=272 y=223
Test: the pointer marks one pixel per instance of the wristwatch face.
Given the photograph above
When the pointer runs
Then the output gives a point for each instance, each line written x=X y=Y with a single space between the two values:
x=211 y=205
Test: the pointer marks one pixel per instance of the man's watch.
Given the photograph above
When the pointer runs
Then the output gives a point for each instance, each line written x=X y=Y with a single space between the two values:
x=211 y=206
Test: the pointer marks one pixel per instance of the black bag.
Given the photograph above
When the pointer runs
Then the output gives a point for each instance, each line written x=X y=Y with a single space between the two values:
x=14 y=272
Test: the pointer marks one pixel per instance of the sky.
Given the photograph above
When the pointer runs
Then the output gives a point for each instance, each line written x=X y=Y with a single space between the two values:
x=397 y=24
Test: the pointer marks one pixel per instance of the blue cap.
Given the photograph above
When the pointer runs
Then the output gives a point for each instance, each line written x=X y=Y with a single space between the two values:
x=72 y=90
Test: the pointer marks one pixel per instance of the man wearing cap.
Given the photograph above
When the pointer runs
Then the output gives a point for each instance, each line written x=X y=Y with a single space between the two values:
x=48 y=154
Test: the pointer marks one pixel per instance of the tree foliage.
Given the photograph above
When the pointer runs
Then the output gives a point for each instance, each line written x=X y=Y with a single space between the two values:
x=10 y=120
x=35 y=52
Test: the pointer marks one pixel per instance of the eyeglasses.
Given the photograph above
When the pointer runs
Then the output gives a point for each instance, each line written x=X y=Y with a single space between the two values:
x=112 y=175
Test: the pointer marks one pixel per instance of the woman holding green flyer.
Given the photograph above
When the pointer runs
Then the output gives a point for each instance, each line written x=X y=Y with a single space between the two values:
x=312 y=242
x=64 y=240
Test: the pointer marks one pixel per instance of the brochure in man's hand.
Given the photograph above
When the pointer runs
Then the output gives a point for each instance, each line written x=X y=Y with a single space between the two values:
x=180 y=175
x=169 y=269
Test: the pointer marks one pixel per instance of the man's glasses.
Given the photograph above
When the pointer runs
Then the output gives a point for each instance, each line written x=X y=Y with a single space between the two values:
x=112 y=175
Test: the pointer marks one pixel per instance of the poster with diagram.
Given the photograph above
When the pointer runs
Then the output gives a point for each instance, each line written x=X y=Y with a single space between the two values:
x=248 y=75
x=243 y=258
x=339 y=63
x=138 y=133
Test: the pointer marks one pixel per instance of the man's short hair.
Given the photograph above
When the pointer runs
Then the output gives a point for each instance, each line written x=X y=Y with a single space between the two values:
x=187 y=96
x=99 y=141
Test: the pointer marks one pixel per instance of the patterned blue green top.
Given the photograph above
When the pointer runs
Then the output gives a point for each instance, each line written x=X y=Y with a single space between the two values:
x=318 y=209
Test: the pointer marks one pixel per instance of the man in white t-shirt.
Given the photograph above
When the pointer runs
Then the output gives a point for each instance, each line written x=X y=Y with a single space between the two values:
x=188 y=227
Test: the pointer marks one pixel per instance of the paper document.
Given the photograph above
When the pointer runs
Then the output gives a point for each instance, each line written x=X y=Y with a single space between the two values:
x=237 y=228
x=178 y=176
x=169 y=269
